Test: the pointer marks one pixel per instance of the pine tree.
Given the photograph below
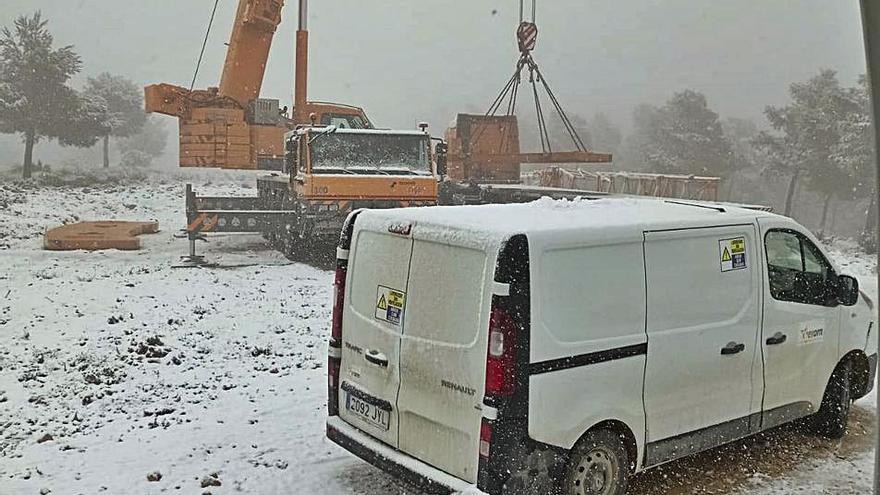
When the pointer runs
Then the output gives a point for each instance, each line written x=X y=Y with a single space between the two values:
x=683 y=137
x=807 y=130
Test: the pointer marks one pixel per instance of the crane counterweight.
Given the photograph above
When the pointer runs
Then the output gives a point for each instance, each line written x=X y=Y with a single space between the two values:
x=230 y=126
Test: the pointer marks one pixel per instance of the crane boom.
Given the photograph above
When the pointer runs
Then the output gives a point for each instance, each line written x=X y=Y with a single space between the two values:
x=255 y=25
x=302 y=64
x=230 y=126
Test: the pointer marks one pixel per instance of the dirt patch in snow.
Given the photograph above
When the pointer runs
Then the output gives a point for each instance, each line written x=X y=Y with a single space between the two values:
x=750 y=465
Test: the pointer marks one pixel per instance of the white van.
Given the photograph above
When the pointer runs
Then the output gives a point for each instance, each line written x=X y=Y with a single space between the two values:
x=561 y=346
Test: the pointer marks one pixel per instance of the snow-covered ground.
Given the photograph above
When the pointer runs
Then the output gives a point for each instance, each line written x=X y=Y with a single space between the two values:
x=116 y=367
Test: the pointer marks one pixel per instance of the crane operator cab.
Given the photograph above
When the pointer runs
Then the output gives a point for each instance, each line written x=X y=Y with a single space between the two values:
x=338 y=115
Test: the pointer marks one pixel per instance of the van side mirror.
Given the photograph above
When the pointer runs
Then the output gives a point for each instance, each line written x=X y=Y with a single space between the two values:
x=847 y=290
x=441 y=150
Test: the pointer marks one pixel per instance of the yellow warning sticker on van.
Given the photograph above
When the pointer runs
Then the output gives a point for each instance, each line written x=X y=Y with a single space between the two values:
x=733 y=254
x=738 y=245
x=390 y=305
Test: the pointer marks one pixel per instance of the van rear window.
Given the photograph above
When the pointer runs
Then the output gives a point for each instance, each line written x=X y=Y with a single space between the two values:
x=447 y=287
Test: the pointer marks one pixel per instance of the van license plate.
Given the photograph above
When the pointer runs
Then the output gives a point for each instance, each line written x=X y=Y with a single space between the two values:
x=373 y=415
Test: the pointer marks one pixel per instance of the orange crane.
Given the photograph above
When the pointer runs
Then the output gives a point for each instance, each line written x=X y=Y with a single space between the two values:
x=230 y=126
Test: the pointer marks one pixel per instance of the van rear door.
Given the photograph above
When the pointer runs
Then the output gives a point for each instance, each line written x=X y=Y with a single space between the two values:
x=372 y=326
x=443 y=355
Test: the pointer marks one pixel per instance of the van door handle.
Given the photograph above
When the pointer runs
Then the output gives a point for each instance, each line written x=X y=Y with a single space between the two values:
x=732 y=348
x=375 y=357
x=777 y=338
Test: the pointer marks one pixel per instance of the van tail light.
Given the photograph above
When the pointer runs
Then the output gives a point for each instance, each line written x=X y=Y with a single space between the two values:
x=501 y=354
x=485 y=438
x=334 y=360
x=338 y=300
x=334 y=349
x=333 y=366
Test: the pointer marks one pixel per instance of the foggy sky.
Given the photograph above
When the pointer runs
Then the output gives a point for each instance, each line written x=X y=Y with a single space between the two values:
x=407 y=61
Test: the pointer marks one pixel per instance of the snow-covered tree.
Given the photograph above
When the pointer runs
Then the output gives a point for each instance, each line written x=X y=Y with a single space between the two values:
x=683 y=137
x=560 y=139
x=854 y=156
x=854 y=151
x=807 y=130
x=35 y=100
x=606 y=136
x=645 y=146
x=140 y=149
x=741 y=133
x=123 y=99
x=84 y=121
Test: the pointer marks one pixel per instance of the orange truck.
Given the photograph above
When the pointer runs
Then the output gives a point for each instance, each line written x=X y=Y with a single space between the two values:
x=329 y=172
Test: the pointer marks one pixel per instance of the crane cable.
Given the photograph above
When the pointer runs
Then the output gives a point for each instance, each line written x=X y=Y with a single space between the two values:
x=511 y=91
x=522 y=10
x=204 y=45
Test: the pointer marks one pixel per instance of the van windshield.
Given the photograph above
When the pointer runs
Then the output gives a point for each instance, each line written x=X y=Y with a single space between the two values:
x=387 y=154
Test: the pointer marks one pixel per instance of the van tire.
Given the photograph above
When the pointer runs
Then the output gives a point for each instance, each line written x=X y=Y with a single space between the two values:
x=602 y=453
x=831 y=420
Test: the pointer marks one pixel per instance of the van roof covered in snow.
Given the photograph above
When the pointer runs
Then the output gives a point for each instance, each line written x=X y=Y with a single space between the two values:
x=618 y=217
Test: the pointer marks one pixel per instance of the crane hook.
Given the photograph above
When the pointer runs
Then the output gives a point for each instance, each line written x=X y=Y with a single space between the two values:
x=527 y=36
x=527 y=32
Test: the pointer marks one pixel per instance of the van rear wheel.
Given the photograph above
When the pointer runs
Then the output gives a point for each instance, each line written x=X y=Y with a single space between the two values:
x=598 y=465
x=833 y=414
